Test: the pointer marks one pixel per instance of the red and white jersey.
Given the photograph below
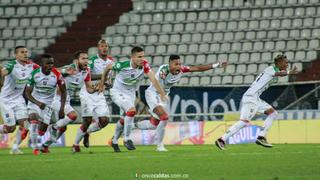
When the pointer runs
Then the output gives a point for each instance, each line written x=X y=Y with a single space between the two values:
x=16 y=80
x=44 y=86
x=167 y=79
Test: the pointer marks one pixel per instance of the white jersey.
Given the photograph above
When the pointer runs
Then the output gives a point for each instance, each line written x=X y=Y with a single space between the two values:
x=44 y=86
x=263 y=81
x=16 y=80
x=96 y=65
x=76 y=81
x=127 y=77
x=167 y=79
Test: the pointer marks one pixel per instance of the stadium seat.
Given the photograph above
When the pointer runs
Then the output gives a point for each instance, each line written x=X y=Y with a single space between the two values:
x=238 y=79
x=215 y=80
x=227 y=80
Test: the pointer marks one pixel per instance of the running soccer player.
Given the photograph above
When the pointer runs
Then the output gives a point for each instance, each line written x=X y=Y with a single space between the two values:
x=15 y=75
x=123 y=92
x=252 y=104
x=40 y=92
x=168 y=75
x=95 y=104
x=76 y=75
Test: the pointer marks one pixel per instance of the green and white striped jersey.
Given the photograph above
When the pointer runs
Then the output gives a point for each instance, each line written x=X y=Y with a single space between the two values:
x=167 y=79
x=128 y=78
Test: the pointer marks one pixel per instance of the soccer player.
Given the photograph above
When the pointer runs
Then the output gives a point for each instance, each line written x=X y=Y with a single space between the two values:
x=40 y=92
x=168 y=75
x=123 y=92
x=76 y=75
x=94 y=104
x=252 y=104
x=15 y=76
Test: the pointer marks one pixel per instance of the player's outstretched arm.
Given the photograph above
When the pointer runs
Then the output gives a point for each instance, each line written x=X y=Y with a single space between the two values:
x=104 y=77
x=157 y=85
x=208 y=66
x=28 y=94
x=63 y=90
x=294 y=70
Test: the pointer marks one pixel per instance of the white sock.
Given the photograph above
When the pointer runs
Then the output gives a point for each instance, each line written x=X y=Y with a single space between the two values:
x=62 y=122
x=145 y=125
x=93 y=127
x=160 y=132
x=18 y=140
x=34 y=135
x=128 y=122
x=233 y=129
x=2 y=129
x=268 y=123
x=117 y=133
x=79 y=136
x=51 y=140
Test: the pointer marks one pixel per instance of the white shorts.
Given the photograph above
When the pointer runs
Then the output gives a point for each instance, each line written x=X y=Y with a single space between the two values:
x=44 y=115
x=94 y=105
x=13 y=111
x=153 y=100
x=122 y=98
x=251 y=106
x=56 y=104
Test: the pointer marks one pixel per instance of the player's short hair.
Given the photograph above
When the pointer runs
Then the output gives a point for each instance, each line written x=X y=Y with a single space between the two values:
x=136 y=49
x=45 y=56
x=279 y=58
x=18 y=47
x=102 y=41
x=76 y=55
x=173 y=57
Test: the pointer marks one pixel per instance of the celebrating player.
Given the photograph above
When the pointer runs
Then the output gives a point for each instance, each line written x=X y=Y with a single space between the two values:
x=40 y=92
x=123 y=92
x=252 y=104
x=13 y=107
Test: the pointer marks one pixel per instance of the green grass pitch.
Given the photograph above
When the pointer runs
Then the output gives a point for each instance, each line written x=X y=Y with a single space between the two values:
x=294 y=161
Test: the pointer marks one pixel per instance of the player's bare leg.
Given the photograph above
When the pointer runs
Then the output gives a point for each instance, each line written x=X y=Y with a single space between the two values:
x=94 y=127
x=86 y=121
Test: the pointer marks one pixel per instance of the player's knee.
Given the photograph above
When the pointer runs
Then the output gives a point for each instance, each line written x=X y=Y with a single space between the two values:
x=154 y=121
x=164 y=117
x=247 y=121
x=41 y=132
x=62 y=129
x=131 y=113
x=72 y=116
x=121 y=120
x=271 y=111
x=103 y=121
x=10 y=129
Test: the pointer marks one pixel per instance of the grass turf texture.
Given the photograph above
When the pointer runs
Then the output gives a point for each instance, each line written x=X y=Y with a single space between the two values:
x=294 y=161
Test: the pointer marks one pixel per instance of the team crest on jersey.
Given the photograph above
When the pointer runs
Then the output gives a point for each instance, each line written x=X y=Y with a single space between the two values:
x=45 y=83
x=23 y=74
x=7 y=115
x=132 y=75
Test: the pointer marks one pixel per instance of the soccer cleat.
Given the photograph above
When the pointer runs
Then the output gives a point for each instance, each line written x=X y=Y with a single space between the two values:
x=263 y=142
x=115 y=147
x=36 y=152
x=53 y=132
x=16 y=151
x=86 y=140
x=220 y=144
x=24 y=133
x=129 y=145
x=76 y=148
x=161 y=148
x=45 y=149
